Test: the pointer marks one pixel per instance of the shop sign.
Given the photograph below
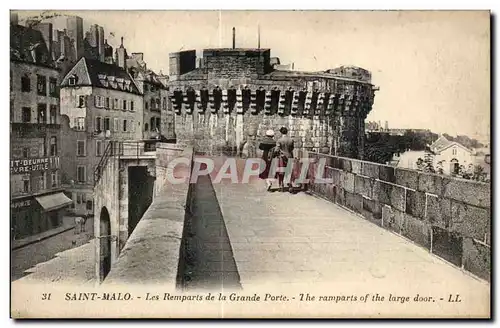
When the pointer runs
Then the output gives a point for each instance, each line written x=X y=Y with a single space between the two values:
x=21 y=166
x=20 y=203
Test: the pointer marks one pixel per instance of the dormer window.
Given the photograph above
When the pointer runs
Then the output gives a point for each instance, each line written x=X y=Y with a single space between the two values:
x=72 y=80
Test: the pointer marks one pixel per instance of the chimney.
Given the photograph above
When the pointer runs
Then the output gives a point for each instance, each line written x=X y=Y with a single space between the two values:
x=14 y=18
x=121 y=56
x=258 y=37
x=234 y=38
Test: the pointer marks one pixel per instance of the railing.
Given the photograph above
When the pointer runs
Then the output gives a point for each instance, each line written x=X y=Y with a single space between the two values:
x=134 y=149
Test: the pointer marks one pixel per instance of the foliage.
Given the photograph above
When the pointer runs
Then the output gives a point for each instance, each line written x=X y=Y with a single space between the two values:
x=465 y=141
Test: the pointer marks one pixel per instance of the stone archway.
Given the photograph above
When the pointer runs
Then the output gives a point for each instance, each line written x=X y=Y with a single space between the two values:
x=105 y=243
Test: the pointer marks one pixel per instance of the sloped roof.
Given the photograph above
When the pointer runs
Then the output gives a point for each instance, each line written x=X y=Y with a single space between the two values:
x=442 y=143
x=25 y=43
x=88 y=71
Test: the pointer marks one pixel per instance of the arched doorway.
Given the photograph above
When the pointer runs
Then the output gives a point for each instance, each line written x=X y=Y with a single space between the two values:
x=454 y=166
x=105 y=243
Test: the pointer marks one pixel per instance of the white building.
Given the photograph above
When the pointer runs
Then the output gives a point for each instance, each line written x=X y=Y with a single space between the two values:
x=451 y=155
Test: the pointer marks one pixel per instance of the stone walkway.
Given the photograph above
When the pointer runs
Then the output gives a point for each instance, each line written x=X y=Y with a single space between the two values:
x=296 y=239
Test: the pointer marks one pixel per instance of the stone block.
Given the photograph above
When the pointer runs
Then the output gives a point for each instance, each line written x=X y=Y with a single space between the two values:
x=398 y=198
x=356 y=166
x=417 y=231
x=363 y=186
x=372 y=210
x=337 y=163
x=430 y=183
x=347 y=181
x=382 y=192
x=467 y=191
x=392 y=219
x=407 y=178
x=438 y=211
x=346 y=164
x=477 y=258
x=387 y=173
x=331 y=192
x=447 y=245
x=370 y=170
x=415 y=203
x=335 y=176
x=354 y=202
x=470 y=221
x=340 y=196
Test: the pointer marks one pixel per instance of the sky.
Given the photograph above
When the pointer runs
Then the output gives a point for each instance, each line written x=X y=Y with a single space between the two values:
x=432 y=67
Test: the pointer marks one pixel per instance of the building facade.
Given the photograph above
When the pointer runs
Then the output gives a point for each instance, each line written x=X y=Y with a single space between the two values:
x=451 y=156
x=37 y=199
x=235 y=94
x=102 y=102
x=158 y=118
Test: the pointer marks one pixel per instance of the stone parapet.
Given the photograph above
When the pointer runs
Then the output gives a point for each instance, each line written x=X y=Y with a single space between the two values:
x=448 y=216
x=152 y=254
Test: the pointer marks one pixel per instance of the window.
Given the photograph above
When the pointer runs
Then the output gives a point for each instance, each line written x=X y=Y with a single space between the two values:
x=89 y=205
x=12 y=110
x=44 y=148
x=72 y=80
x=152 y=104
x=107 y=103
x=25 y=84
x=158 y=124
x=81 y=101
x=53 y=87
x=99 y=101
x=152 y=124
x=26 y=114
x=80 y=174
x=42 y=113
x=117 y=104
x=124 y=105
x=78 y=198
x=26 y=152
x=132 y=126
x=41 y=182
x=80 y=123
x=98 y=124
x=41 y=85
x=53 y=146
x=454 y=151
x=132 y=105
x=53 y=114
x=146 y=104
x=80 y=148
x=124 y=125
x=115 y=125
x=164 y=103
x=106 y=124
x=146 y=127
x=98 y=148
x=26 y=183
x=54 y=178
x=158 y=103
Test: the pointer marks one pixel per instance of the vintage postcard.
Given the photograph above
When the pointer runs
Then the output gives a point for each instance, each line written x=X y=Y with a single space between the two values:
x=250 y=164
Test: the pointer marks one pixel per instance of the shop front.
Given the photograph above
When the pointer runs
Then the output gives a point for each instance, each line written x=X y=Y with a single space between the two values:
x=33 y=215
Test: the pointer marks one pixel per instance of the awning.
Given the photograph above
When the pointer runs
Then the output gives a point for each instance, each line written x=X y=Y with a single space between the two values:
x=54 y=201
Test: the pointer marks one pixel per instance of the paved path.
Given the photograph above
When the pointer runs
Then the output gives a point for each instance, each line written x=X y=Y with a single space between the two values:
x=28 y=256
x=295 y=239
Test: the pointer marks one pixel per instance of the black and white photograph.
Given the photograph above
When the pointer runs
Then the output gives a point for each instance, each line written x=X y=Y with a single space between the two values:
x=250 y=164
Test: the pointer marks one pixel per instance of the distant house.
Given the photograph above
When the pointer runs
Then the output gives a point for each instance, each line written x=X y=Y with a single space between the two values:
x=450 y=155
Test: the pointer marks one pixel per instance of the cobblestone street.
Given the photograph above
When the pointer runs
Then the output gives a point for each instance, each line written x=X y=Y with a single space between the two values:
x=64 y=256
